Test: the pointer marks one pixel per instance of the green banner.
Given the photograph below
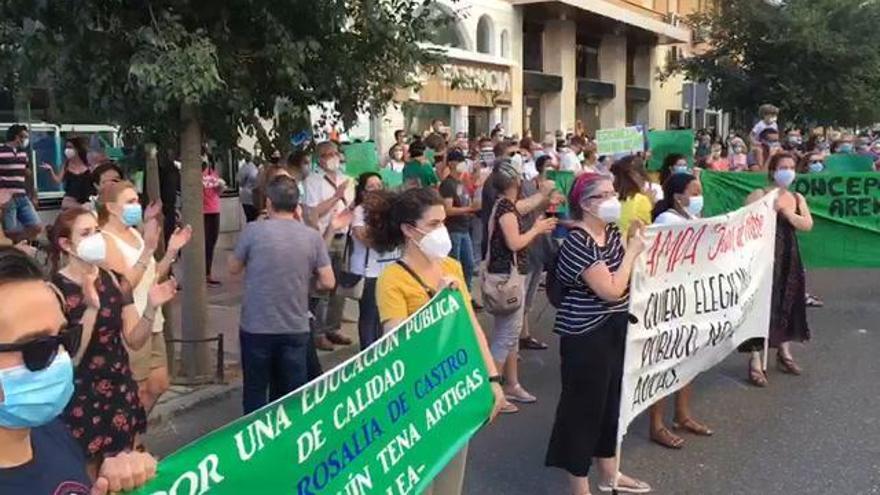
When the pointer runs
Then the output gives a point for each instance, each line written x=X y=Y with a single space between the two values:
x=664 y=143
x=845 y=209
x=618 y=141
x=848 y=162
x=564 y=180
x=360 y=158
x=385 y=421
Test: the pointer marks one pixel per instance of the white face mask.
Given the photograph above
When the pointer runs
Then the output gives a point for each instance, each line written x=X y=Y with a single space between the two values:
x=398 y=155
x=695 y=206
x=436 y=244
x=92 y=249
x=332 y=164
x=69 y=153
x=461 y=167
x=24 y=144
x=609 y=210
x=516 y=161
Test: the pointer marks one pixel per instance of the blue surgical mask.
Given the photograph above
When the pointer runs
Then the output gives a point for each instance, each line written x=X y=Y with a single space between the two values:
x=845 y=148
x=695 y=206
x=816 y=167
x=132 y=214
x=680 y=169
x=784 y=177
x=34 y=398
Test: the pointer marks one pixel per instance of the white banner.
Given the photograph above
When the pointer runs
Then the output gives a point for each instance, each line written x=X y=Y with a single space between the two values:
x=699 y=290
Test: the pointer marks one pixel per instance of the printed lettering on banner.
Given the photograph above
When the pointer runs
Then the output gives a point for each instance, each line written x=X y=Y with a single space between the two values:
x=698 y=291
x=385 y=421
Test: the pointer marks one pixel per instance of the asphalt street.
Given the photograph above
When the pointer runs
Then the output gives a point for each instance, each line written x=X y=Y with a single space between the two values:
x=814 y=434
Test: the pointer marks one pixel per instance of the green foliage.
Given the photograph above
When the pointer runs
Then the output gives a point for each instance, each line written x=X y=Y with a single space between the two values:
x=815 y=59
x=236 y=61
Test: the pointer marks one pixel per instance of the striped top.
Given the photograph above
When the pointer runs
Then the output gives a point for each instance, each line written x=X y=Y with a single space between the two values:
x=581 y=310
x=13 y=169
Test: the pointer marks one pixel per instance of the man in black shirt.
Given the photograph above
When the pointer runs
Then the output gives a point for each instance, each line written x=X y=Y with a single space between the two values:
x=38 y=455
x=460 y=212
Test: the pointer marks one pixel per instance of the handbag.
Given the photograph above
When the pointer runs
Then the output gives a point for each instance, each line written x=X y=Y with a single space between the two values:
x=503 y=293
x=351 y=285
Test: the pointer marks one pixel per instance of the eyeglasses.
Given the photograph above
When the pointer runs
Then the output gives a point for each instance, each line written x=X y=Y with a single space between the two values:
x=605 y=195
x=39 y=353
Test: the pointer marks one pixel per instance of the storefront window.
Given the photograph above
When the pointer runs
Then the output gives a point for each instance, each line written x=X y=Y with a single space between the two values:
x=419 y=116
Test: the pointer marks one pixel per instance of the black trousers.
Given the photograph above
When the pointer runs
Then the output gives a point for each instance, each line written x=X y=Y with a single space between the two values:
x=369 y=326
x=251 y=212
x=587 y=414
x=212 y=232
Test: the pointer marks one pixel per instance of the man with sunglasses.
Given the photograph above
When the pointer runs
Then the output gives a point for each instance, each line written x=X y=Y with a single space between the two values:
x=37 y=453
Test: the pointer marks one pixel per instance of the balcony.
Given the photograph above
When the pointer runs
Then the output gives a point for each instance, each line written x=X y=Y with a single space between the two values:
x=628 y=12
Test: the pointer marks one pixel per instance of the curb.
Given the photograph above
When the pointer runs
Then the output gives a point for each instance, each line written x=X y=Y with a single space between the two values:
x=165 y=411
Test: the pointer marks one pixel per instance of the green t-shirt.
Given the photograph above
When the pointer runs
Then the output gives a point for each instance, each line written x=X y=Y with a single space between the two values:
x=423 y=172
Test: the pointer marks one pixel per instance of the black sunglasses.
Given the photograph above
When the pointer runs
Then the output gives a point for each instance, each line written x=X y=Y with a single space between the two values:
x=39 y=353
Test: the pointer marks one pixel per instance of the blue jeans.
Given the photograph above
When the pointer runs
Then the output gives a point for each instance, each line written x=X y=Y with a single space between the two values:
x=463 y=251
x=20 y=214
x=272 y=365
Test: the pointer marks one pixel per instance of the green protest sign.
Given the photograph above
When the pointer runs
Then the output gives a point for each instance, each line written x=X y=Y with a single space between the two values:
x=564 y=179
x=360 y=158
x=665 y=143
x=617 y=141
x=385 y=421
x=845 y=209
x=848 y=162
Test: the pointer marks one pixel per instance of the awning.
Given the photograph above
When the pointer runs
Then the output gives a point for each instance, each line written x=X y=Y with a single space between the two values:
x=612 y=10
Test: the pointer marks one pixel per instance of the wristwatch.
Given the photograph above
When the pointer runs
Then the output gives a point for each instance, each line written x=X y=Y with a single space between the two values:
x=495 y=379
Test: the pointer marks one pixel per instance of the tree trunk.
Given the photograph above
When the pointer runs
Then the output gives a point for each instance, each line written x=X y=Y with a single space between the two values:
x=153 y=188
x=194 y=357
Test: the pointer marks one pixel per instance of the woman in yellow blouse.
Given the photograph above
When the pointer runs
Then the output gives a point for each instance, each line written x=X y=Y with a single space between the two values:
x=413 y=221
x=631 y=181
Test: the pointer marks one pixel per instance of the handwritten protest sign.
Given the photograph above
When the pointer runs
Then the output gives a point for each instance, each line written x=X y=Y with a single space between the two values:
x=360 y=158
x=385 y=421
x=619 y=141
x=665 y=143
x=845 y=209
x=698 y=291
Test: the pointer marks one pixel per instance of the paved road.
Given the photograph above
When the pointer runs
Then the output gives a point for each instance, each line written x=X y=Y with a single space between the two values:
x=814 y=434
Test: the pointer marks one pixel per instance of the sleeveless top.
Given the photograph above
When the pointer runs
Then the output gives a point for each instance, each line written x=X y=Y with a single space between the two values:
x=79 y=186
x=141 y=291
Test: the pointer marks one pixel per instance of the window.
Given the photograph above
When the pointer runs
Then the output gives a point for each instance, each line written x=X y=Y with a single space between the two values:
x=447 y=27
x=587 y=59
x=533 y=47
x=630 y=65
x=505 y=44
x=485 y=35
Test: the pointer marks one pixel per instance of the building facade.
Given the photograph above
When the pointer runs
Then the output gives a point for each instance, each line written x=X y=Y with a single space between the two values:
x=478 y=88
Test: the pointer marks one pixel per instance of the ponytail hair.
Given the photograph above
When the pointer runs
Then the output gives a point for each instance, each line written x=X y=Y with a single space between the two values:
x=386 y=211
x=109 y=195
x=62 y=228
x=675 y=184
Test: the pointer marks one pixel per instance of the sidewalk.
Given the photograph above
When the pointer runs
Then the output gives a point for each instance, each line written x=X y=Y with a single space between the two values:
x=224 y=308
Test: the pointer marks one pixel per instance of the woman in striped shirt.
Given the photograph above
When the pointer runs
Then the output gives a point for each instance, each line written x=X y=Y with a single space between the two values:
x=594 y=268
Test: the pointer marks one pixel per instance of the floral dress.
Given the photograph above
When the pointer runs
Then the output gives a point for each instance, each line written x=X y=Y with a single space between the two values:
x=105 y=413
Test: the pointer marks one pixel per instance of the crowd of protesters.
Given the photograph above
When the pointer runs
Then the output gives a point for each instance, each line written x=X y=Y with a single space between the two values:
x=79 y=378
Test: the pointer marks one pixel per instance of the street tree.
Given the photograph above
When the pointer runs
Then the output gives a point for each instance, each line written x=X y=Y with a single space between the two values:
x=176 y=72
x=815 y=59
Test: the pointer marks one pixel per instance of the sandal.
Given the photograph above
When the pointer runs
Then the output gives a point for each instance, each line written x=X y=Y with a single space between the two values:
x=757 y=377
x=787 y=365
x=519 y=394
x=532 y=344
x=508 y=408
x=667 y=439
x=693 y=426
x=813 y=301
x=625 y=484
